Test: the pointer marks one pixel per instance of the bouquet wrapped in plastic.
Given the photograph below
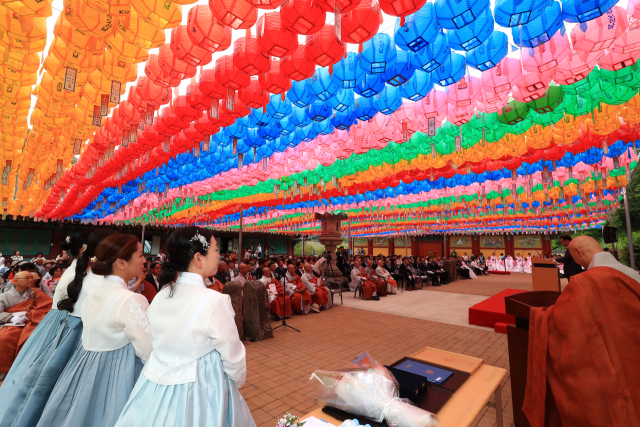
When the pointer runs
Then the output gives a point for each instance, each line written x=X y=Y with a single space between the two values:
x=370 y=390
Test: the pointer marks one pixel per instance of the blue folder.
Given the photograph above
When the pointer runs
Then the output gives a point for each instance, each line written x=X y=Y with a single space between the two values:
x=432 y=374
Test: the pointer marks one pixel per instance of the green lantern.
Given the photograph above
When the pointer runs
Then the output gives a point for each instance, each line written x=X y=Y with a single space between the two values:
x=582 y=85
x=578 y=106
x=548 y=102
x=514 y=112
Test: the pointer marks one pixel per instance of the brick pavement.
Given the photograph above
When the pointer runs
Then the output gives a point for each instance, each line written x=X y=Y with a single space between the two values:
x=279 y=368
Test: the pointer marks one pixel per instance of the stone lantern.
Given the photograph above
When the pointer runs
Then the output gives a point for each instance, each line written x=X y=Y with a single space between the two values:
x=331 y=237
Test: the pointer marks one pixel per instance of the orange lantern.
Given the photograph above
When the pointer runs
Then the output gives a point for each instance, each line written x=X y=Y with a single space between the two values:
x=138 y=32
x=206 y=31
x=163 y=14
x=237 y=14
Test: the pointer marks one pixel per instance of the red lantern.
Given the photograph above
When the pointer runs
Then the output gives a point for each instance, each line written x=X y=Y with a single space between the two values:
x=303 y=16
x=134 y=95
x=129 y=113
x=196 y=98
x=248 y=57
x=297 y=66
x=361 y=24
x=211 y=87
x=236 y=108
x=254 y=96
x=170 y=122
x=193 y=134
x=344 y=5
x=237 y=14
x=207 y=31
x=273 y=38
x=174 y=66
x=207 y=126
x=153 y=70
x=184 y=48
x=266 y=4
x=324 y=48
x=275 y=81
x=230 y=76
x=401 y=8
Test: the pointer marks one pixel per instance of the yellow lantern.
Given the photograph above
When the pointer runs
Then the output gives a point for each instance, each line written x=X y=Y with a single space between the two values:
x=83 y=43
x=163 y=14
x=33 y=8
x=18 y=61
x=71 y=57
x=114 y=69
x=88 y=20
x=125 y=51
x=139 y=32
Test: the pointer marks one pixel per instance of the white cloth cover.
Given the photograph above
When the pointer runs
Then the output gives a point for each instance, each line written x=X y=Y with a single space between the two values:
x=61 y=290
x=113 y=317
x=606 y=259
x=189 y=325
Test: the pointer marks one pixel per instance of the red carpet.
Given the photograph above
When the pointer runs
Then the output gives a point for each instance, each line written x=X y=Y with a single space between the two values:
x=491 y=311
x=498 y=272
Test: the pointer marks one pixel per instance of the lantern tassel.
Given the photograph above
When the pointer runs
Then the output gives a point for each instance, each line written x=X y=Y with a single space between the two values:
x=360 y=48
x=281 y=96
x=247 y=33
x=331 y=69
x=402 y=21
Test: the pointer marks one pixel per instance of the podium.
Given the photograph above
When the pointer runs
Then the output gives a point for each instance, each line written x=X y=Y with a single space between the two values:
x=546 y=276
x=519 y=305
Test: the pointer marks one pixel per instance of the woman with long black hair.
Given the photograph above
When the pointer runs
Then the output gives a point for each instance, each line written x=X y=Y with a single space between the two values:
x=47 y=351
x=97 y=380
x=198 y=361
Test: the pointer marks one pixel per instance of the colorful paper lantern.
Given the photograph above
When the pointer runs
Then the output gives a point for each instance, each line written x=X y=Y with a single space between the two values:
x=473 y=34
x=539 y=30
x=229 y=75
x=454 y=15
x=273 y=38
x=303 y=16
x=434 y=55
x=248 y=57
x=323 y=48
x=207 y=31
x=489 y=53
x=378 y=54
x=237 y=14
x=274 y=80
x=361 y=23
x=297 y=66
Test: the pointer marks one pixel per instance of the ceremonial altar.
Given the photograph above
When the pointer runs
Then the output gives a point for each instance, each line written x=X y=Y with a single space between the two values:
x=468 y=401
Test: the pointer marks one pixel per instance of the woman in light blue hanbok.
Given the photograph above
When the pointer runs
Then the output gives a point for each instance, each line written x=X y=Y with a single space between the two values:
x=198 y=361
x=97 y=380
x=54 y=340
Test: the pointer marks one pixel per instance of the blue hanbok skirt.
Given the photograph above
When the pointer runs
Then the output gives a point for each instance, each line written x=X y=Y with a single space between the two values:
x=30 y=395
x=92 y=389
x=39 y=341
x=213 y=400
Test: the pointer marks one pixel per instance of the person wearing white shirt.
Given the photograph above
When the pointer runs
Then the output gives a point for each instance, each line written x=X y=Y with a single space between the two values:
x=96 y=383
x=39 y=363
x=198 y=362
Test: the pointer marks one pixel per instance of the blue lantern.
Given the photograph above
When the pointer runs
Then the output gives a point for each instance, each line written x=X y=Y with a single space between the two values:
x=472 y=35
x=236 y=130
x=307 y=133
x=348 y=71
x=401 y=71
x=252 y=138
x=285 y=126
x=509 y=13
x=389 y=100
x=322 y=85
x=451 y=71
x=434 y=55
x=344 y=119
x=417 y=87
x=419 y=29
x=324 y=127
x=378 y=54
x=342 y=100
x=369 y=85
x=318 y=111
x=258 y=118
x=489 y=53
x=299 y=93
x=269 y=132
x=583 y=11
x=277 y=108
x=456 y=14
x=279 y=145
x=365 y=108
x=539 y=30
x=298 y=116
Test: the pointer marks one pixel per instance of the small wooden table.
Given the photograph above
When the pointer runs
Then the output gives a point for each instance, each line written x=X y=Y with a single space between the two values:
x=468 y=401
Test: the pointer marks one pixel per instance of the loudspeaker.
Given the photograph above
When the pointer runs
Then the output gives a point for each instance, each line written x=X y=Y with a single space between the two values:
x=609 y=234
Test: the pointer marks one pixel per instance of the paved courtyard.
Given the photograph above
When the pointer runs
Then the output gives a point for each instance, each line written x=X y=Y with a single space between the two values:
x=279 y=368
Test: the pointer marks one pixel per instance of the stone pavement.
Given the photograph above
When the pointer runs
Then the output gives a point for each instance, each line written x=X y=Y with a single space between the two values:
x=279 y=368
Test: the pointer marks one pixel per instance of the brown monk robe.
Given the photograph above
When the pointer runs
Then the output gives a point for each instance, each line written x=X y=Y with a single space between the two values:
x=37 y=304
x=320 y=292
x=149 y=291
x=358 y=275
x=586 y=347
x=380 y=283
x=276 y=294
x=300 y=296
x=216 y=285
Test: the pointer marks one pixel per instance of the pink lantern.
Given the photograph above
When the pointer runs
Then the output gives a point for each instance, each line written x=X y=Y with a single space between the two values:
x=600 y=33
x=503 y=76
x=434 y=104
x=491 y=102
x=465 y=93
x=523 y=95
x=460 y=116
x=616 y=60
x=576 y=67
x=547 y=56
x=630 y=39
x=532 y=86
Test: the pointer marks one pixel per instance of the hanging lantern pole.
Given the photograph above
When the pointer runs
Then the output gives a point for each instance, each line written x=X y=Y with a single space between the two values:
x=142 y=238
x=303 y=245
x=632 y=257
x=240 y=255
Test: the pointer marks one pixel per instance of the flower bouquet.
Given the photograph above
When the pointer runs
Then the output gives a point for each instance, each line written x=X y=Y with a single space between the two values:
x=370 y=390
x=289 y=420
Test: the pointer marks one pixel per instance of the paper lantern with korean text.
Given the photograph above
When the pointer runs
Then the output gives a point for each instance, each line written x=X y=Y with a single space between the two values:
x=369 y=85
x=434 y=55
x=419 y=29
x=547 y=56
x=574 y=11
x=139 y=32
x=600 y=33
x=348 y=70
x=509 y=13
x=159 y=13
x=237 y=14
x=297 y=66
x=451 y=71
x=248 y=57
x=174 y=66
x=402 y=70
x=473 y=34
x=154 y=72
x=362 y=23
x=229 y=75
x=254 y=96
x=401 y=8
x=378 y=54
x=274 y=80
x=88 y=20
x=343 y=5
x=539 y=30
x=125 y=51
x=504 y=76
x=210 y=86
x=185 y=48
x=454 y=15
x=302 y=16
x=417 y=86
x=322 y=85
x=206 y=30
x=299 y=94
x=489 y=53
x=323 y=48
x=273 y=38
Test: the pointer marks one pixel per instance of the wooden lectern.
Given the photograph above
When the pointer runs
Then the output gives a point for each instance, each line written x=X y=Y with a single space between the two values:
x=546 y=276
x=519 y=305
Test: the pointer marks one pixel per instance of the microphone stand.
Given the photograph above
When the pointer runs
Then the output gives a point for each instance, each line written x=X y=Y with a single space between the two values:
x=284 y=308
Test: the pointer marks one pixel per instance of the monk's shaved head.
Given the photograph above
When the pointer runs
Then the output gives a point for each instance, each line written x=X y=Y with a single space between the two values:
x=583 y=248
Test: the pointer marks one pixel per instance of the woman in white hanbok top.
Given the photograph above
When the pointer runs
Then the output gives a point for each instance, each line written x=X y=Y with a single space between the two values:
x=97 y=381
x=198 y=361
x=527 y=265
x=518 y=264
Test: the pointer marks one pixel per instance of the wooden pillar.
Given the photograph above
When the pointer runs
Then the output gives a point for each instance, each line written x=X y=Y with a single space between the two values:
x=445 y=246
x=475 y=242
x=546 y=244
x=289 y=246
x=369 y=246
x=508 y=245
x=414 y=247
x=391 y=246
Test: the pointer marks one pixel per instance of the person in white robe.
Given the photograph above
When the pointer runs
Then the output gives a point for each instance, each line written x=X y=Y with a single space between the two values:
x=526 y=267
x=392 y=286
